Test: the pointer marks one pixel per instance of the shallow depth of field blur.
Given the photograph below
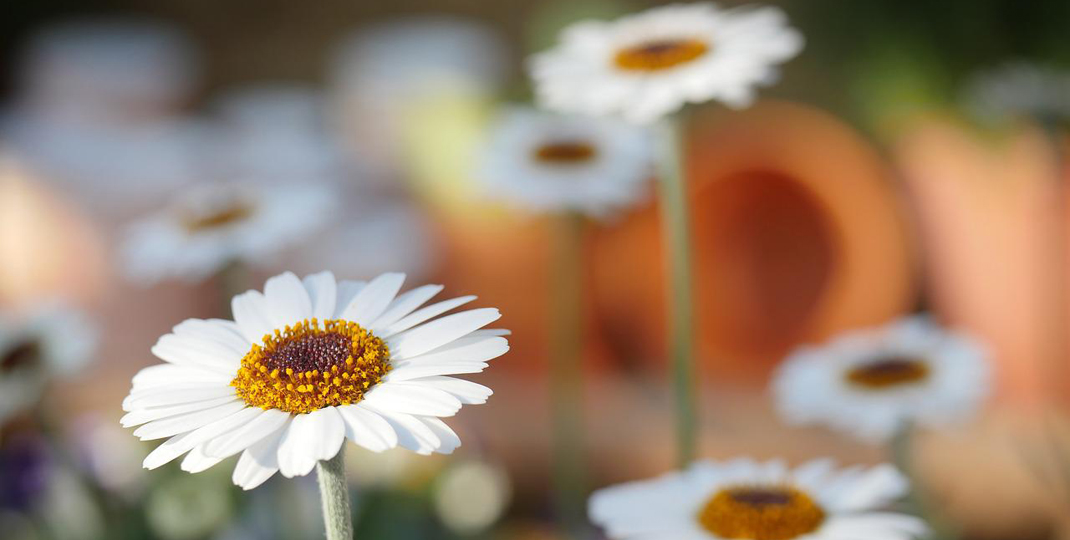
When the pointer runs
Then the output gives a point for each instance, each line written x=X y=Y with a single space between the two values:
x=874 y=180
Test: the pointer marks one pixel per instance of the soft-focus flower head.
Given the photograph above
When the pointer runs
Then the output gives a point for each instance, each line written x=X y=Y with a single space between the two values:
x=548 y=162
x=645 y=66
x=745 y=499
x=872 y=383
x=214 y=225
x=51 y=341
x=1020 y=89
x=305 y=365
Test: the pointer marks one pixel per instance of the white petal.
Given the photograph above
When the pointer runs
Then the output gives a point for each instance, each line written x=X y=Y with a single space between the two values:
x=373 y=299
x=252 y=314
x=169 y=427
x=368 y=429
x=140 y=416
x=167 y=374
x=323 y=291
x=873 y=488
x=310 y=438
x=259 y=462
x=224 y=333
x=288 y=300
x=264 y=425
x=180 y=444
x=468 y=392
x=196 y=460
x=347 y=290
x=417 y=399
x=406 y=371
x=479 y=350
x=450 y=440
x=412 y=433
x=404 y=305
x=441 y=331
x=424 y=314
x=176 y=394
x=190 y=352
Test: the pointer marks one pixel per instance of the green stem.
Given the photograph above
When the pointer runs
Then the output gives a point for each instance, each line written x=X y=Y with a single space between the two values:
x=334 y=494
x=917 y=500
x=566 y=381
x=676 y=230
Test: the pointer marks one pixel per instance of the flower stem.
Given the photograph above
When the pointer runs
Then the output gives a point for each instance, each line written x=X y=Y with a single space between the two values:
x=677 y=240
x=566 y=380
x=334 y=494
x=917 y=501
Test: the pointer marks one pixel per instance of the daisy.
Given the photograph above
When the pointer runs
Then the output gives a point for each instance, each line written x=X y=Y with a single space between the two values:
x=307 y=364
x=548 y=162
x=647 y=65
x=52 y=341
x=873 y=383
x=217 y=224
x=747 y=500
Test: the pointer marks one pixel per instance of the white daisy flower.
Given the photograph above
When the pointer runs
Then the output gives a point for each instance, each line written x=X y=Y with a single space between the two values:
x=52 y=341
x=307 y=364
x=647 y=65
x=210 y=227
x=872 y=383
x=548 y=162
x=1018 y=89
x=743 y=499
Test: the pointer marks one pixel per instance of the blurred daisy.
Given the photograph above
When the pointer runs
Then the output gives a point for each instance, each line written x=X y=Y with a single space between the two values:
x=1020 y=89
x=216 y=225
x=547 y=162
x=53 y=341
x=307 y=364
x=872 y=383
x=647 y=65
x=744 y=499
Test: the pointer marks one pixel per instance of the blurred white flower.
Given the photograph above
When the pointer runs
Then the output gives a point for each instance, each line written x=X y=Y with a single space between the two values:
x=471 y=496
x=307 y=364
x=872 y=383
x=214 y=225
x=275 y=133
x=97 y=110
x=381 y=74
x=1020 y=89
x=744 y=499
x=49 y=342
x=548 y=162
x=644 y=66
x=188 y=507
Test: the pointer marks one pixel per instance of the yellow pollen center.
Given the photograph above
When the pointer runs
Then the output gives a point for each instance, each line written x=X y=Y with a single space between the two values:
x=660 y=54
x=565 y=153
x=761 y=513
x=221 y=217
x=888 y=372
x=312 y=365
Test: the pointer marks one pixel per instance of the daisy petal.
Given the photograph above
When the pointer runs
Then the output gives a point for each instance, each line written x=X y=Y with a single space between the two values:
x=441 y=331
x=416 y=399
x=424 y=314
x=373 y=299
x=287 y=299
x=264 y=425
x=368 y=429
x=180 y=444
x=196 y=460
x=412 y=433
x=404 y=305
x=323 y=291
x=450 y=440
x=310 y=437
x=141 y=416
x=258 y=463
x=252 y=315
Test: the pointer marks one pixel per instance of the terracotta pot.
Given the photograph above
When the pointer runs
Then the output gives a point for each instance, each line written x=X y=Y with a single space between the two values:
x=798 y=233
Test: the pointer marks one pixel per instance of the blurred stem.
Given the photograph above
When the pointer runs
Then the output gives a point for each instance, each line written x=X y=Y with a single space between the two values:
x=334 y=494
x=917 y=500
x=566 y=380
x=677 y=240
x=231 y=280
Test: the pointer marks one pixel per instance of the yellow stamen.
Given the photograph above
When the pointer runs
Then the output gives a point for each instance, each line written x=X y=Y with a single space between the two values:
x=660 y=54
x=761 y=513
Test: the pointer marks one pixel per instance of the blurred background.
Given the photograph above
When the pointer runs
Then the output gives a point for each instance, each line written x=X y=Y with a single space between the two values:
x=912 y=158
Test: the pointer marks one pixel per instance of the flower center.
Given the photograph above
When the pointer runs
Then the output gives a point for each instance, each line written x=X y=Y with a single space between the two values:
x=22 y=355
x=761 y=513
x=657 y=55
x=565 y=153
x=221 y=217
x=309 y=366
x=888 y=372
